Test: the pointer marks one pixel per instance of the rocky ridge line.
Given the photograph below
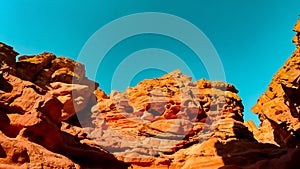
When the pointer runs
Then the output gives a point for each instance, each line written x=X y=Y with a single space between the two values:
x=53 y=116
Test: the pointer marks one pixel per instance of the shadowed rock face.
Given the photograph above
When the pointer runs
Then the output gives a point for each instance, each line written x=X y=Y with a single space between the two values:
x=53 y=116
x=7 y=59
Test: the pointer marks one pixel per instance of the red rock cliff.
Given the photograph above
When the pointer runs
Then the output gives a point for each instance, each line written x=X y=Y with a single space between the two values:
x=52 y=116
x=37 y=113
x=279 y=107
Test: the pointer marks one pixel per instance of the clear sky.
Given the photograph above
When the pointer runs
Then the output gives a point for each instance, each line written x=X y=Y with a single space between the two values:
x=251 y=37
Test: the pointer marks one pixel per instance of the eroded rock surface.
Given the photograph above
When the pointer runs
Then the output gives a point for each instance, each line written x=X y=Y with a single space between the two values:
x=53 y=116
x=172 y=122
x=7 y=59
x=38 y=118
x=279 y=107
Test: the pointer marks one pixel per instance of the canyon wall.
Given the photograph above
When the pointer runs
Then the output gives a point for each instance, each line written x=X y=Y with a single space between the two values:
x=53 y=116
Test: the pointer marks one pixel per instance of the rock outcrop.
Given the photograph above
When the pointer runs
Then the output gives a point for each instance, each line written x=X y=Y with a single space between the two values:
x=172 y=122
x=279 y=107
x=7 y=59
x=45 y=68
x=53 y=116
x=38 y=121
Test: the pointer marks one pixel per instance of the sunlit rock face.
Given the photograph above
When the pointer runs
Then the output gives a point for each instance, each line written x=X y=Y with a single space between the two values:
x=38 y=106
x=279 y=107
x=53 y=116
x=173 y=122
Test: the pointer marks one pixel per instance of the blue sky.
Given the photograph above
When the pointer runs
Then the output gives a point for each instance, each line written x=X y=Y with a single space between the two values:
x=251 y=37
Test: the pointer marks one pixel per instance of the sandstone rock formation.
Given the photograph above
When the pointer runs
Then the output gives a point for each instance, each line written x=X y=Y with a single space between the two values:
x=36 y=128
x=45 y=68
x=53 y=116
x=149 y=123
x=279 y=107
x=172 y=122
x=7 y=59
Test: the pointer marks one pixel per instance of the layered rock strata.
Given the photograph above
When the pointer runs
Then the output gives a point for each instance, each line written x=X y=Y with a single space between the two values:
x=279 y=107
x=172 y=122
x=53 y=116
x=38 y=102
